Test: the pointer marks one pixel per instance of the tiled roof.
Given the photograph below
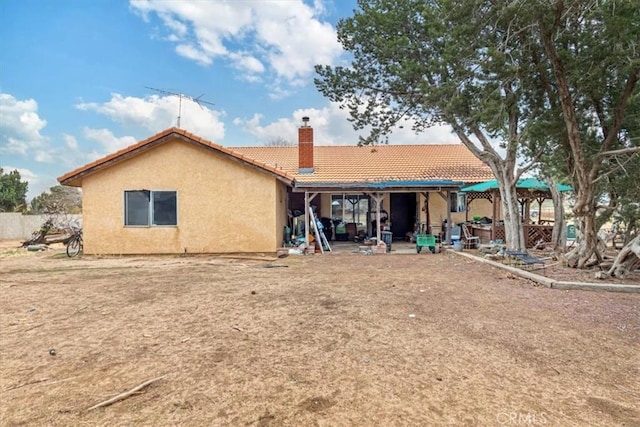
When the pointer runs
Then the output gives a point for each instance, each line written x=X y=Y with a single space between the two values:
x=381 y=164
x=74 y=177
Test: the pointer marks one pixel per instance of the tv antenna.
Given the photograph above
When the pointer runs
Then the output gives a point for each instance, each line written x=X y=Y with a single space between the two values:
x=197 y=100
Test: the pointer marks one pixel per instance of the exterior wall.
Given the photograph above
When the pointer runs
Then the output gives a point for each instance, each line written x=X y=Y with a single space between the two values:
x=480 y=207
x=438 y=209
x=223 y=206
x=281 y=212
x=325 y=204
x=15 y=226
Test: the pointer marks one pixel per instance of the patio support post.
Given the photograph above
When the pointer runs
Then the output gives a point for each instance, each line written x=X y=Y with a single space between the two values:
x=496 y=205
x=307 y=206
x=378 y=199
x=447 y=198
x=448 y=237
x=369 y=215
x=540 y=201
x=427 y=227
x=466 y=208
x=306 y=218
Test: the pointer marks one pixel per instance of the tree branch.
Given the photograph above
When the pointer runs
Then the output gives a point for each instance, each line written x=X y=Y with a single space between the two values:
x=489 y=156
x=612 y=153
x=125 y=394
x=620 y=109
x=566 y=103
x=527 y=166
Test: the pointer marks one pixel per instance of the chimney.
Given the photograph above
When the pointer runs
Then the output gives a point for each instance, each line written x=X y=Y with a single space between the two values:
x=305 y=147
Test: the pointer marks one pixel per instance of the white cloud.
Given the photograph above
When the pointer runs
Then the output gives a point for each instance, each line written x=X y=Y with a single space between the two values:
x=284 y=39
x=20 y=126
x=157 y=113
x=247 y=63
x=44 y=156
x=179 y=28
x=192 y=52
x=331 y=127
x=107 y=140
x=70 y=141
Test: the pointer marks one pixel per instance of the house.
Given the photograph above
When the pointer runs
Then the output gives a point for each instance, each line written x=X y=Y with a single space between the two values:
x=178 y=193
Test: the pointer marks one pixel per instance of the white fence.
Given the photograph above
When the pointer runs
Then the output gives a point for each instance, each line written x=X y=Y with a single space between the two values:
x=15 y=226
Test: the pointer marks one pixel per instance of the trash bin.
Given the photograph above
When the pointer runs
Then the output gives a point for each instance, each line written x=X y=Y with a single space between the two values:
x=387 y=236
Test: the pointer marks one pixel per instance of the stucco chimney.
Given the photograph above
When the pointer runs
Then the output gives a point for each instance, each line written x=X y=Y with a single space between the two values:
x=305 y=147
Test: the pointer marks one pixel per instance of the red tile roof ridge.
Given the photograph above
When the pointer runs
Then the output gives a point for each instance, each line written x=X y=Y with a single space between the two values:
x=320 y=145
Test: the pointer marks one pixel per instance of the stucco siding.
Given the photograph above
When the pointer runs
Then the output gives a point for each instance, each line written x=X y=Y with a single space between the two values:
x=281 y=212
x=480 y=207
x=222 y=205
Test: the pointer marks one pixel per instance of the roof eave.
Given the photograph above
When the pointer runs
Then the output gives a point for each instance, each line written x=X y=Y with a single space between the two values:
x=389 y=185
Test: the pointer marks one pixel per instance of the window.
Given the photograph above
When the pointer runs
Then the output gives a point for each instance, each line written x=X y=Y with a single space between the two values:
x=457 y=202
x=350 y=208
x=144 y=208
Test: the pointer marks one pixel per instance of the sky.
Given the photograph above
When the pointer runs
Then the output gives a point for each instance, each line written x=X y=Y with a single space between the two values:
x=80 y=79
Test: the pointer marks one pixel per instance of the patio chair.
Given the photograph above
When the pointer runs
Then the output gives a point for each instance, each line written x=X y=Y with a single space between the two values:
x=470 y=241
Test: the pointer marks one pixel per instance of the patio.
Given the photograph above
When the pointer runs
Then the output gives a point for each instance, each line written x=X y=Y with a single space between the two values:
x=528 y=190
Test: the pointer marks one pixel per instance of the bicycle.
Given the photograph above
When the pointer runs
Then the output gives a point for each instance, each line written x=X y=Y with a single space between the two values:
x=75 y=244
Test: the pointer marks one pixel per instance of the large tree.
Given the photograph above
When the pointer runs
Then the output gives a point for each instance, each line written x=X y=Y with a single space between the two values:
x=13 y=192
x=60 y=199
x=438 y=61
x=586 y=60
x=493 y=69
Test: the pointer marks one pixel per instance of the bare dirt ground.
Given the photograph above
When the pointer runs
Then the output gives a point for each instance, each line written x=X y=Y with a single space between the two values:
x=342 y=339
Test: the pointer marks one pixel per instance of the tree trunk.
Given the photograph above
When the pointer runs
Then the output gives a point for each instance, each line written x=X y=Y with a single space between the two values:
x=505 y=173
x=513 y=230
x=559 y=233
x=586 y=252
x=586 y=244
x=627 y=260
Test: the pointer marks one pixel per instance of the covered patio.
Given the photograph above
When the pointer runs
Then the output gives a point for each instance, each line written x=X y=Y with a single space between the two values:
x=528 y=190
x=377 y=192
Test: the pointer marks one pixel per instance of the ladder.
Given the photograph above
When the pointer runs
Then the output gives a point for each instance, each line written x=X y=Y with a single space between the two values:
x=319 y=232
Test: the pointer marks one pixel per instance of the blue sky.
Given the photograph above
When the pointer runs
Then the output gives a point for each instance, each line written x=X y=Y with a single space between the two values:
x=74 y=77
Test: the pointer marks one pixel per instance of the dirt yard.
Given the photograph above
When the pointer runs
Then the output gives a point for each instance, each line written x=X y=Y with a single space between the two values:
x=334 y=340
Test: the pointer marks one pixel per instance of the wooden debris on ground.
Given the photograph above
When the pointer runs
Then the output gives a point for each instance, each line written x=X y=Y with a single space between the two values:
x=125 y=394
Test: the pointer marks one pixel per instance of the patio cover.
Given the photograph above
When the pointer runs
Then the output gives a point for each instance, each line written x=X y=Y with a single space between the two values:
x=527 y=189
x=523 y=184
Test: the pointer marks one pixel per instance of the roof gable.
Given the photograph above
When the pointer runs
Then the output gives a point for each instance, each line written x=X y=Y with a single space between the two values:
x=74 y=178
